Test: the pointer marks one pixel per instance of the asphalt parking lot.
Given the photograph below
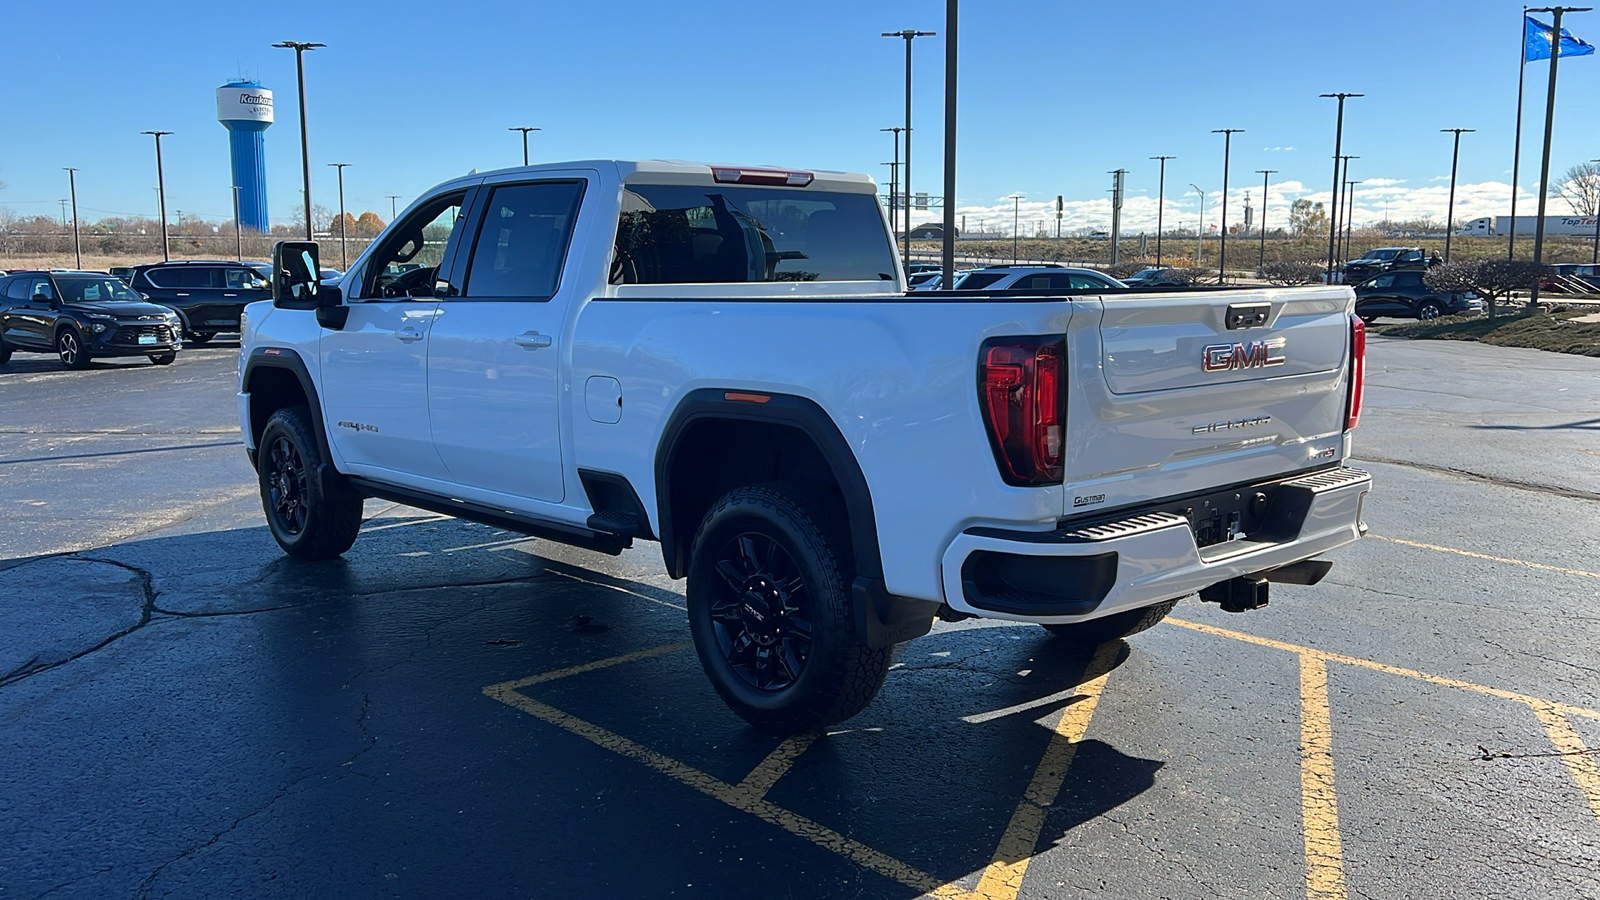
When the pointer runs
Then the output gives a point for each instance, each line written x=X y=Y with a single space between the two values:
x=453 y=710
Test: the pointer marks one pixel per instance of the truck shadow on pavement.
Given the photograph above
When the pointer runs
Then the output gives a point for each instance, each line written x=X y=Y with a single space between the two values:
x=342 y=703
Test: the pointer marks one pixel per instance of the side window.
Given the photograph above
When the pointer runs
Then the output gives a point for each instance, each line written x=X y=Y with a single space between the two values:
x=407 y=263
x=523 y=240
x=241 y=279
x=192 y=277
x=42 y=286
x=1382 y=281
x=1032 y=283
x=1408 y=279
x=17 y=289
x=1086 y=282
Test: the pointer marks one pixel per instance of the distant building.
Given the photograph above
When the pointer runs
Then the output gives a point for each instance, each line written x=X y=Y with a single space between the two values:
x=1572 y=226
x=931 y=232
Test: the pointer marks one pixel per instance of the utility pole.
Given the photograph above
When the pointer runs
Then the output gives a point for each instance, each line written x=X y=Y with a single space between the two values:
x=1338 y=213
x=72 y=183
x=1261 y=259
x=1016 y=206
x=894 y=184
x=908 y=35
x=1227 y=146
x=161 y=193
x=1059 y=206
x=392 y=214
x=1200 y=230
x=1450 y=217
x=1549 y=128
x=344 y=258
x=1116 y=214
x=1338 y=148
x=300 y=48
x=1161 y=202
x=524 y=131
x=238 y=230
x=1595 y=259
x=947 y=256
x=1350 y=215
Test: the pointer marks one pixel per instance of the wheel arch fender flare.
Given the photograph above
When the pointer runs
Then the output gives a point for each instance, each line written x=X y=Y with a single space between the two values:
x=280 y=359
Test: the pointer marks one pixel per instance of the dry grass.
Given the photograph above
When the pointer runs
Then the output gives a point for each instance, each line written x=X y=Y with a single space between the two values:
x=1540 y=331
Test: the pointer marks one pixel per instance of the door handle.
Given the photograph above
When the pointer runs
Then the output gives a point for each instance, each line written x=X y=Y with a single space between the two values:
x=230 y=295
x=183 y=295
x=531 y=340
x=408 y=334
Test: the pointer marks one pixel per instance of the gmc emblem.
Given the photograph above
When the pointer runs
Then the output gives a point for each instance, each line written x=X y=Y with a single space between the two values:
x=1254 y=355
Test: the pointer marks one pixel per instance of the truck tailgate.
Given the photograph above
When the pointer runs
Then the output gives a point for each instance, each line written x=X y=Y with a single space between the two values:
x=1196 y=391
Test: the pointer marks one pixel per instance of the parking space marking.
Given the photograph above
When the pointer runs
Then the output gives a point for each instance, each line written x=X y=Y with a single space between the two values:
x=1566 y=709
x=1485 y=556
x=775 y=766
x=1319 y=802
x=1002 y=880
x=742 y=796
x=1580 y=759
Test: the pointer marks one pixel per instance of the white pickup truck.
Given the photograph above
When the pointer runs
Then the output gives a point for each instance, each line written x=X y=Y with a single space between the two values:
x=725 y=360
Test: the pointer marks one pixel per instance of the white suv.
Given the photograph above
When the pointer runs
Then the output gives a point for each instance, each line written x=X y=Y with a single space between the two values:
x=1036 y=278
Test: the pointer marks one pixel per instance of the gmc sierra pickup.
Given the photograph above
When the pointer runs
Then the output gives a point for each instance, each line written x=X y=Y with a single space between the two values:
x=724 y=360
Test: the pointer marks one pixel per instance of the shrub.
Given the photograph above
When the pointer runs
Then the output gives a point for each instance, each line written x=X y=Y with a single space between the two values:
x=1288 y=272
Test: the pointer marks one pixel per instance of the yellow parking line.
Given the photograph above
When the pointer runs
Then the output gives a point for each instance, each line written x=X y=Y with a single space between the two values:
x=496 y=690
x=1580 y=761
x=1319 y=803
x=1566 y=709
x=775 y=766
x=1002 y=880
x=1485 y=556
x=737 y=796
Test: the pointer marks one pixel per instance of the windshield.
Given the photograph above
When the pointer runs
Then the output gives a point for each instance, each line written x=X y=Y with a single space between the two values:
x=707 y=234
x=974 y=281
x=1385 y=255
x=80 y=289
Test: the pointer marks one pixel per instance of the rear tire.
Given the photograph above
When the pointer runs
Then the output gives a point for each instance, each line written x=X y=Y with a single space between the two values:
x=310 y=516
x=199 y=337
x=163 y=359
x=771 y=611
x=1095 y=632
x=5 y=353
x=1429 y=310
x=69 y=346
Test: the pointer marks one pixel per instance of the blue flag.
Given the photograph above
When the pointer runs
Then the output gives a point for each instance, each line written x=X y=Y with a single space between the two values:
x=1536 y=41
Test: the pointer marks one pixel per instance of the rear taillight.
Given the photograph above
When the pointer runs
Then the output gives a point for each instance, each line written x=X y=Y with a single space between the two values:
x=1020 y=386
x=1358 y=371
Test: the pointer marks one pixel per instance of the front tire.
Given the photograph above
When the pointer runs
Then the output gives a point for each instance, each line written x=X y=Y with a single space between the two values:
x=163 y=359
x=70 y=348
x=1095 y=632
x=311 y=517
x=5 y=353
x=199 y=337
x=770 y=609
x=1429 y=311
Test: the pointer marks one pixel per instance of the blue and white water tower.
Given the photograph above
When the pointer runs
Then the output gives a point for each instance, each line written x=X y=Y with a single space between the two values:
x=245 y=109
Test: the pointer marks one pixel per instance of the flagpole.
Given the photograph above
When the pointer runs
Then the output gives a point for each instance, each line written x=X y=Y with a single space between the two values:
x=1516 y=154
x=1549 y=129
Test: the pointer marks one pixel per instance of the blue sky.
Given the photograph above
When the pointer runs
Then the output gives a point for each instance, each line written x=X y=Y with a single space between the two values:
x=1053 y=96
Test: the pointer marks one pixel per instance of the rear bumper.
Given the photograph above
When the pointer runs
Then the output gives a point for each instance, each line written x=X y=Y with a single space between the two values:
x=1077 y=573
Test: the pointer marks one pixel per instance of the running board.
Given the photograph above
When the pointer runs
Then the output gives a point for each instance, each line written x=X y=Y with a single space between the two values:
x=560 y=532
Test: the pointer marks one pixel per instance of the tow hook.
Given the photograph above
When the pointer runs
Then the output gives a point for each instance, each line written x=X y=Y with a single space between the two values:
x=1237 y=594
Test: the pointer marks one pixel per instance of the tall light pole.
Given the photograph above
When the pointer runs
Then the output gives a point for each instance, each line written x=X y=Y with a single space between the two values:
x=1161 y=201
x=1338 y=148
x=1549 y=127
x=300 y=48
x=1455 y=155
x=1338 y=213
x=947 y=256
x=161 y=192
x=894 y=183
x=344 y=258
x=392 y=214
x=1595 y=259
x=1227 y=146
x=1016 y=212
x=72 y=183
x=1261 y=259
x=1116 y=214
x=908 y=35
x=1350 y=215
x=238 y=230
x=1200 y=230
x=524 y=129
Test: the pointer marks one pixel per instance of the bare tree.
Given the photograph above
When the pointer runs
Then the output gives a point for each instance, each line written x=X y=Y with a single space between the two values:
x=1580 y=187
x=1492 y=279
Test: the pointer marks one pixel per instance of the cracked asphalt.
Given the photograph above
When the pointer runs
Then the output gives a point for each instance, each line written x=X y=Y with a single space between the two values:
x=186 y=713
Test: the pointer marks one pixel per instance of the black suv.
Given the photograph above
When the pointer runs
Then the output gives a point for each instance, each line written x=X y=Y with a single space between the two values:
x=209 y=295
x=81 y=315
x=1382 y=260
x=1403 y=295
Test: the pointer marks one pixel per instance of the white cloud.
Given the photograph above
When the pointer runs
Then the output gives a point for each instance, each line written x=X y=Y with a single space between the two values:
x=1277 y=149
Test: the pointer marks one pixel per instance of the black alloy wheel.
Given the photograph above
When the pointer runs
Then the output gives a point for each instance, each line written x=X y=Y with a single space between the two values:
x=1430 y=309
x=760 y=618
x=70 y=348
x=772 y=612
x=312 y=511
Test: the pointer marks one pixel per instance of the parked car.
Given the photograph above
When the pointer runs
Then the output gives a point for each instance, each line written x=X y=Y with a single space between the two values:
x=1156 y=276
x=123 y=272
x=82 y=315
x=1036 y=278
x=207 y=294
x=916 y=268
x=724 y=360
x=1404 y=295
x=921 y=279
x=1383 y=259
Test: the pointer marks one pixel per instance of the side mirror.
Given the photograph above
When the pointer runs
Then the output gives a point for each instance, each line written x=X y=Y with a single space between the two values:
x=42 y=298
x=295 y=281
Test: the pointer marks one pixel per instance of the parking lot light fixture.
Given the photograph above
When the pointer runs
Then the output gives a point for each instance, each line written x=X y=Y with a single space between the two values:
x=1455 y=155
x=392 y=214
x=1227 y=146
x=344 y=258
x=1016 y=213
x=1261 y=259
x=1337 y=222
x=524 y=129
x=300 y=48
x=1200 y=229
x=72 y=184
x=894 y=183
x=908 y=35
x=161 y=193
x=1161 y=201
x=1338 y=148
